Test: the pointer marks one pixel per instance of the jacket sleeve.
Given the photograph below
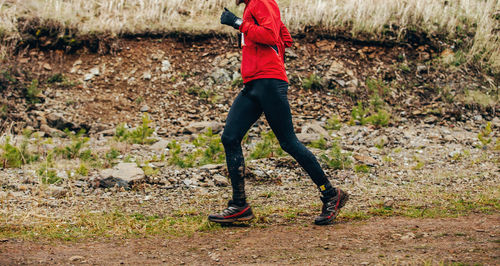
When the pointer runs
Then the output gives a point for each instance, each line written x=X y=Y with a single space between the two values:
x=285 y=36
x=264 y=30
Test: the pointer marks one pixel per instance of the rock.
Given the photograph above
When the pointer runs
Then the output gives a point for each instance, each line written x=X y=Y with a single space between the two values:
x=165 y=65
x=76 y=258
x=211 y=166
x=431 y=119
x=160 y=146
x=388 y=203
x=87 y=77
x=107 y=132
x=421 y=69
x=289 y=53
x=381 y=140
x=220 y=76
x=57 y=120
x=337 y=68
x=366 y=160
x=93 y=72
x=220 y=180
x=147 y=75
x=51 y=131
x=144 y=108
x=57 y=192
x=307 y=138
x=190 y=182
x=315 y=127
x=259 y=173
x=342 y=83
x=495 y=122
x=122 y=175
x=199 y=127
x=408 y=236
x=39 y=134
x=47 y=66
x=454 y=154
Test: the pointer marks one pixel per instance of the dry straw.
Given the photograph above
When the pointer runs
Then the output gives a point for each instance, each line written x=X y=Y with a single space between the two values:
x=444 y=17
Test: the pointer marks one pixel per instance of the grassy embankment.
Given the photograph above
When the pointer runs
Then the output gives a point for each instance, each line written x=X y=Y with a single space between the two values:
x=470 y=26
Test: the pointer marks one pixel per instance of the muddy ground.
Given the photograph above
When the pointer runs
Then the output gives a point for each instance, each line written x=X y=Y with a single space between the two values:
x=466 y=240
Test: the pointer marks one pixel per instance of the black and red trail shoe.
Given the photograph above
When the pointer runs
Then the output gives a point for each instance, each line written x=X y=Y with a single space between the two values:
x=331 y=207
x=233 y=213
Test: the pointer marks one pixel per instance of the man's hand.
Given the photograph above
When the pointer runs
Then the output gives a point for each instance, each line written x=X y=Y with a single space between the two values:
x=228 y=18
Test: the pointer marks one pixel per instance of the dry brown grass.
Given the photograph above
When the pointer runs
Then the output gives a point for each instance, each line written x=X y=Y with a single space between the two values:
x=373 y=17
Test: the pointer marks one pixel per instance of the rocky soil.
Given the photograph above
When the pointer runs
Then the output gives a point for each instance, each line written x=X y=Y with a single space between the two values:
x=428 y=161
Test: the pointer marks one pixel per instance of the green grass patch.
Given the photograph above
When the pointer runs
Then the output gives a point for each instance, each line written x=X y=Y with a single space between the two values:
x=108 y=225
x=208 y=150
x=140 y=135
x=267 y=147
x=336 y=159
x=192 y=217
x=313 y=82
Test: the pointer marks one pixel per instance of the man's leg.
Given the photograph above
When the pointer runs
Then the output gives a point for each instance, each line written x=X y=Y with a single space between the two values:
x=242 y=115
x=273 y=98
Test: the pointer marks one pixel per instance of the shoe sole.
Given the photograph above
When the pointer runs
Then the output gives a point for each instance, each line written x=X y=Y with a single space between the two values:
x=342 y=203
x=239 y=219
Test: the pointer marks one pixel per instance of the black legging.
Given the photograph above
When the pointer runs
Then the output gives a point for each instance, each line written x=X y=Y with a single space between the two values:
x=268 y=96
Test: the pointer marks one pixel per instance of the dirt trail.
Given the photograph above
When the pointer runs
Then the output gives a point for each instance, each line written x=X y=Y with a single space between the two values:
x=470 y=240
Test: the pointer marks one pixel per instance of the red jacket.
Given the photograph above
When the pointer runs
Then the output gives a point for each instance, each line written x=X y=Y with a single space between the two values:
x=264 y=40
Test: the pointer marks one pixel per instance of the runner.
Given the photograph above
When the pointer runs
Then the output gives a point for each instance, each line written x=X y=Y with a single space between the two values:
x=264 y=38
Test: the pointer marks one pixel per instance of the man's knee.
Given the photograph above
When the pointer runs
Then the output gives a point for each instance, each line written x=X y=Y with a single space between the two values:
x=229 y=140
x=290 y=146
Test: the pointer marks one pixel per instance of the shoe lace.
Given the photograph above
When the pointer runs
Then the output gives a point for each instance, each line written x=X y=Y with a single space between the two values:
x=229 y=210
x=329 y=206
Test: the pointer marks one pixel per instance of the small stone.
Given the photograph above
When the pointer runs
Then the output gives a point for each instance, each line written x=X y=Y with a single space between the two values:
x=220 y=181
x=95 y=71
x=478 y=118
x=121 y=175
x=190 y=182
x=364 y=159
x=76 y=258
x=47 y=66
x=430 y=119
x=381 y=140
x=307 y=138
x=421 y=69
x=388 y=203
x=220 y=75
x=57 y=192
x=199 y=127
x=147 y=75
x=408 y=236
x=160 y=146
x=454 y=154
x=495 y=122
x=165 y=66
x=87 y=77
x=144 y=108
x=315 y=127
x=211 y=166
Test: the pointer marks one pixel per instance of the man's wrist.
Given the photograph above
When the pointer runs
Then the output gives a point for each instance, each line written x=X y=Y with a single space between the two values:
x=238 y=23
